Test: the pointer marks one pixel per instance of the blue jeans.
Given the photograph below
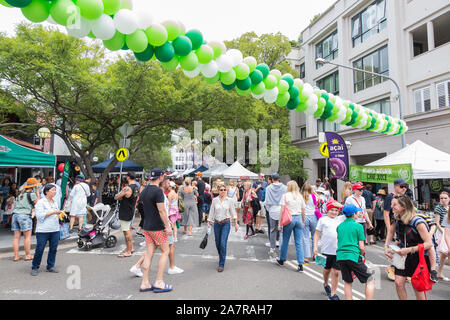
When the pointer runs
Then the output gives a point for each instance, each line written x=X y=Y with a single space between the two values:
x=296 y=225
x=308 y=234
x=41 y=241
x=221 y=232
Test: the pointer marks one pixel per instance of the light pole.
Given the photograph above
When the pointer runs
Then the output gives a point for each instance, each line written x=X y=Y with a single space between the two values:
x=323 y=61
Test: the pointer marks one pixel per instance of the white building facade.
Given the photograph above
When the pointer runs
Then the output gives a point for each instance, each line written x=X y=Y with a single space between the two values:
x=407 y=40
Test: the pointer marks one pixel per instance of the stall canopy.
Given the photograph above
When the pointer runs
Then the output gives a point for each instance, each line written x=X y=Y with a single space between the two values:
x=237 y=171
x=427 y=162
x=14 y=155
x=127 y=166
x=215 y=171
x=200 y=169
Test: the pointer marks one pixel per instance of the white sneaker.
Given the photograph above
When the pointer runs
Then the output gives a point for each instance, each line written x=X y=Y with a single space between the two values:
x=175 y=270
x=268 y=244
x=142 y=244
x=271 y=251
x=278 y=243
x=137 y=272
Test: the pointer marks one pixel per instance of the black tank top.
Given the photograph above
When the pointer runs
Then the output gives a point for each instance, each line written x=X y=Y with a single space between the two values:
x=127 y=205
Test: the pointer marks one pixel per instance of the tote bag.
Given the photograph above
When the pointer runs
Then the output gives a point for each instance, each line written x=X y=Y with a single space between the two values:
x=421 y=278
x=286 y=216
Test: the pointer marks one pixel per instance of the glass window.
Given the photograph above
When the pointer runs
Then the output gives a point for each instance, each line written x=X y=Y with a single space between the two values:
x=327 y=126
x=328 y=48
x=303 y=133
x=302 y=71
x=443 y=94
x=375 y=62
x=330 y=83
x=381 y=106
x=422 y=99
x=369 y=22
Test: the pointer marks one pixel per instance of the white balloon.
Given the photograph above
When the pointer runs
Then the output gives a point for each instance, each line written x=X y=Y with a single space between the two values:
x=270 y=96
x=225 y=63
x=126 y=21
x=210 y=69
x=308 y=89
x=80 y=30
x=298 y=82
x=236 y=56
x=104 y=27
x=258 y=96
x=312 y=104
x=364 y=119
x=50 y=20
x=144 y=19
x=193 y=73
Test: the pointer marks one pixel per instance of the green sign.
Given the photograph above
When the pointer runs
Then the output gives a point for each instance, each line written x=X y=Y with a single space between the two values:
x=381 y=174
x=64 y=180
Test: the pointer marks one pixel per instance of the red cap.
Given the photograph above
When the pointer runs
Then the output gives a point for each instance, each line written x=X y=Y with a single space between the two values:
x=334 y=204
x=358 y=185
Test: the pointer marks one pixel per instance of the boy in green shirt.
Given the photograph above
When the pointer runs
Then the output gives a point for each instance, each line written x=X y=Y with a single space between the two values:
x=350 y=252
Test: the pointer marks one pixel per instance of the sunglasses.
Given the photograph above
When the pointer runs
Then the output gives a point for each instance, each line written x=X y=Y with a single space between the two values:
x=403 y=186
x=222 y=189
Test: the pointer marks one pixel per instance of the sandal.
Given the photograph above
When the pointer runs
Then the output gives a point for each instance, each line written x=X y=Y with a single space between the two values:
x=166 y=288
x=123 y=255
x=28 y=259
x=147 y=289
x=15 y=260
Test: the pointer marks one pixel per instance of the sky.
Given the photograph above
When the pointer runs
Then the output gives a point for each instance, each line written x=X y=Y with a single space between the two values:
x=218 y=20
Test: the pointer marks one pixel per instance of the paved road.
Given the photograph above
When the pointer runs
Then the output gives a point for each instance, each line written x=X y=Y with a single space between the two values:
x=249 y=274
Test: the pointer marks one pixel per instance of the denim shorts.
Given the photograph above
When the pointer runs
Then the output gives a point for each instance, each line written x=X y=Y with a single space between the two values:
x=21 y=222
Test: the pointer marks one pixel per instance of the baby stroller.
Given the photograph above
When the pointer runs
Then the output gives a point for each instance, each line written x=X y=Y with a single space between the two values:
x=99 y=234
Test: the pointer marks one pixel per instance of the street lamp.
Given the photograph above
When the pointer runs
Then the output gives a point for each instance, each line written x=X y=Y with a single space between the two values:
x=323 y=61
x=44 y=133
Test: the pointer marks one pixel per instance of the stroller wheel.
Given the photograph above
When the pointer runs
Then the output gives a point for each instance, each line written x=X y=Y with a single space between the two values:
x=111 y=242
x=88 y=246
x=80 y=243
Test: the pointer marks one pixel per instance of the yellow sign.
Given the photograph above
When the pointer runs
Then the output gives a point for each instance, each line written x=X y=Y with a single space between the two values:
x=324 y=150
x=122 y=154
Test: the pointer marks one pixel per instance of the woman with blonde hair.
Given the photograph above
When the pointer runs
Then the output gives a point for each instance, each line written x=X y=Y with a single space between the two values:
x=311 y=219
x=346 y=191
x=190 y=215
x=233 y=193
x=411 y=230
x=295 y=203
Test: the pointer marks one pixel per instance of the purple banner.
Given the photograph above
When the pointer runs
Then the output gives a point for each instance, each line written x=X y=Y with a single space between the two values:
x=338 y=160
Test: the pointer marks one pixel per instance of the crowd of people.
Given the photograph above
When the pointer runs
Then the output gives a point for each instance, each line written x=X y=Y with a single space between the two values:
x=322 y=226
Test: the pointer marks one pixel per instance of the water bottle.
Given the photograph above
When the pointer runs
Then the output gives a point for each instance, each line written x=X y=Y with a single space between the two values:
x=208 y=231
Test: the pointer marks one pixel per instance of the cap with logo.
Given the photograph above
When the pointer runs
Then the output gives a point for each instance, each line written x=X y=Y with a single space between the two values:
x=275 y=176
x=358 y=186
x=334 y=204
x=400 y=181
x=156 y=173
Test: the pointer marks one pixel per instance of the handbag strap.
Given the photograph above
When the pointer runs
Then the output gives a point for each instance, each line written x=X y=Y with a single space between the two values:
x=421 y=254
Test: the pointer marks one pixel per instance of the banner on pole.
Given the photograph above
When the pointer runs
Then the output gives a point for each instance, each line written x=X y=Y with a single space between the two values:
x=338 y=156
x=64 y=180
x=382 y=174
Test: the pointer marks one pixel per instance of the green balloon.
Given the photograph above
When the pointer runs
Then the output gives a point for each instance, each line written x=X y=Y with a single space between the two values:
x=270 y=81
x=294 y=92
x=283 y=99
x=228 y=77
x=251 y=62
x=189 y=62
x=172 y=64
x=353 y=118
x=264 y=68
x=258 y=89
x=64 y=12
x=165 y=53
x=145 y=55
x=321 y=103
x=91 y=35
x=156 y=34
x=242 y=92
x=293 y=103
x=257 y=77
x=205 y=54
x=303 y=97
x=348 y=117
x=19 y=3
x=213 y=79
x=115 y=43
x=283 y=86
x=301 y=107
x=289 y=80
x=182 y=45
x=228 y=87
x=358 y=120
x=6 y=4
x=244 y=84
x=328 y=111
x=90 y=9
x=319 y=111
x=137 y=41
x=111 y=6
x=242 y=71
x=196 y=38
x=173 y=29
x=37 y=11
x=126 y=4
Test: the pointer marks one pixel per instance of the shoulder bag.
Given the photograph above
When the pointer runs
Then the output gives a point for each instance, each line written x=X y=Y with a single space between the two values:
x=421 y=278
x=286 y=216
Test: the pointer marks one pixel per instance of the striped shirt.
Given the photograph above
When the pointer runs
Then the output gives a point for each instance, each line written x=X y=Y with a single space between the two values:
x=441 y=211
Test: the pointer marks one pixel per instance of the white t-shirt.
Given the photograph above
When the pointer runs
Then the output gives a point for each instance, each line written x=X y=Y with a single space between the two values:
x=327 y=226
x=360 y=203
x=310 y=206
x=295 y=206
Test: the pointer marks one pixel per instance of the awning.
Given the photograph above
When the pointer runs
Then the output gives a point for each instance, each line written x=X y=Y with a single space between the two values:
x=14 y=155
x=127 y=166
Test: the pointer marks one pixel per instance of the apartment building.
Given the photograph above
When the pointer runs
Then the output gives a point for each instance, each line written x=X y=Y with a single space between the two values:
x=407 y=40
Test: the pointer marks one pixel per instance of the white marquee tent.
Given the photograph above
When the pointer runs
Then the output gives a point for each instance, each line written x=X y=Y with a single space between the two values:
x=215 y=171
x=427 y=162
x=236 y=171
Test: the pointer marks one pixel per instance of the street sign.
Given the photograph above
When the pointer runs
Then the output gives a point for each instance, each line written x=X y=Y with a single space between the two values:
x=122 y=154
x=324 y=150
x=126 y=129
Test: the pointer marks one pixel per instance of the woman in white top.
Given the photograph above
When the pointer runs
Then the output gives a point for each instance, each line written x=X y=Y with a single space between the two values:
x=358 y=200
x=78 y=197
x=311 y=199
x=221 y=213
x=293 y=200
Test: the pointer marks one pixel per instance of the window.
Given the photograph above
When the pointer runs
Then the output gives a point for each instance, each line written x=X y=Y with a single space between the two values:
x=381 y=106
x=420 y=40
x=324 y=125
x=302 y=71
x=302 y=133
x=377 y=62
x=441 y=25
x=443 y=94
x=327 y=48
x=330 y=83
x=368 y=22
x=422 y=99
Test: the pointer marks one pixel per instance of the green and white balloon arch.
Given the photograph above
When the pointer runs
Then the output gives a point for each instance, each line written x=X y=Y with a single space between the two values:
x=120 y=28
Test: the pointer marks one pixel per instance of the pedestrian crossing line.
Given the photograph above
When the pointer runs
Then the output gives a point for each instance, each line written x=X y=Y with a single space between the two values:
x=307 y=270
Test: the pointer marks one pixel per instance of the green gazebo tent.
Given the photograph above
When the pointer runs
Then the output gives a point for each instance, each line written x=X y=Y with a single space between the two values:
x=14 y=155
